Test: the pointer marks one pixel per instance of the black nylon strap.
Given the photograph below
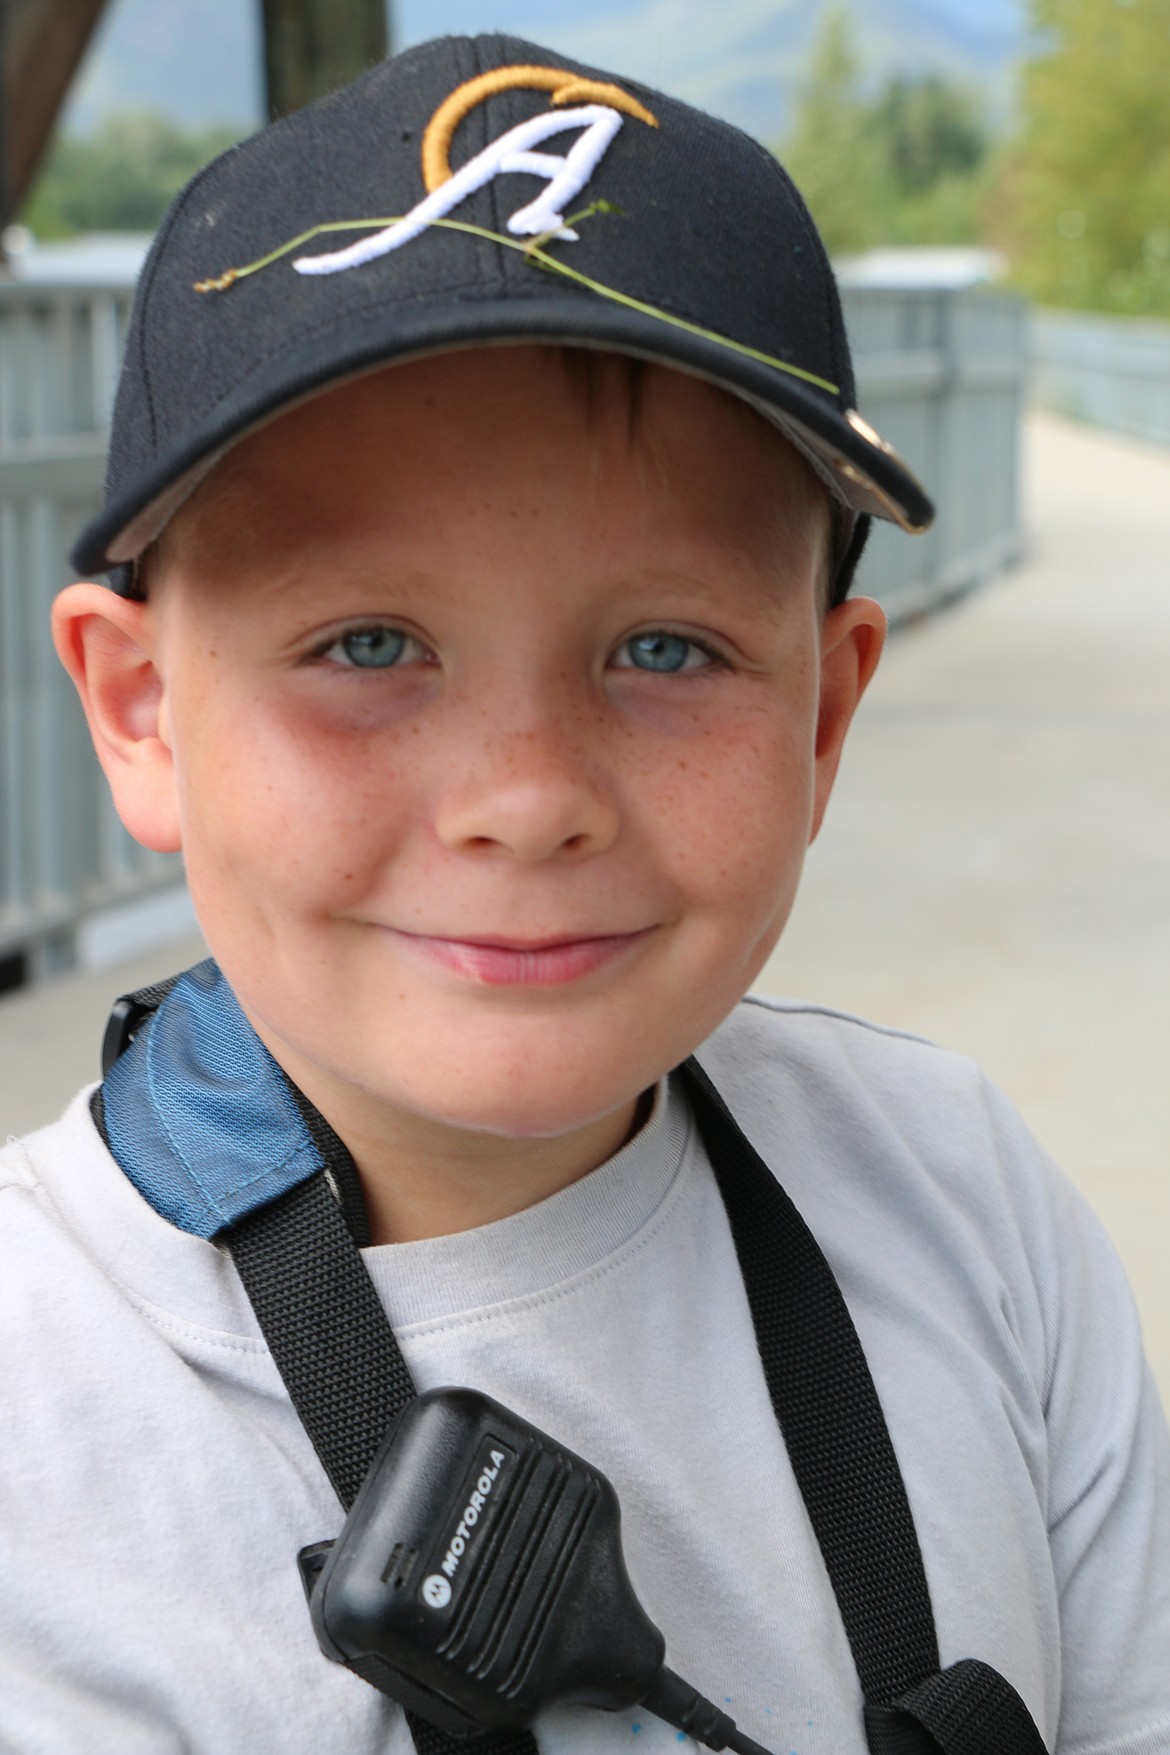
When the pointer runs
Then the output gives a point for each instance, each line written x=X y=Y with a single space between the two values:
x=326 y=1329
x=429 y=1740
x=828 y=1410
x=967 y=1710
x=842 y=1456
x=336 y=1352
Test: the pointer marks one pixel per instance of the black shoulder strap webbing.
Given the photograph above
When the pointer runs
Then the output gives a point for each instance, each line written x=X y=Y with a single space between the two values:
x=827 y=1407
x=842 y=1456
x=319 y=1312
x=341 y=1364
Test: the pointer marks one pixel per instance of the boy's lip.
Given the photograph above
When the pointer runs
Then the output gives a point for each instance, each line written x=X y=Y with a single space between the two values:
x=497 y=961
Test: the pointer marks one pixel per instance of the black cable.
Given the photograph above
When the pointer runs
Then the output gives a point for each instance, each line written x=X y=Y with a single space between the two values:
x=744 y=1745
x=687 y=1710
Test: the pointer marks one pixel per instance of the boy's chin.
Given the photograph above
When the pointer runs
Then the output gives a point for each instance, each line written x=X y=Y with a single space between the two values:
x=509 y=1108
x=522 y=1088
x=520 y=1077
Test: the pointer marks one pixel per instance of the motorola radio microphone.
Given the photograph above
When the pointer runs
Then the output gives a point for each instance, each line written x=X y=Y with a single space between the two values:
x=479 y=1580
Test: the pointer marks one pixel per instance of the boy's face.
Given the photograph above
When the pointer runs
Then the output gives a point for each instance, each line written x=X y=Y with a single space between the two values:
x=500 y=716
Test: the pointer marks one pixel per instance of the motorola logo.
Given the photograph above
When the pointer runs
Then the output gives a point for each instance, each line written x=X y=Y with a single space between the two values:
x=436 y=1591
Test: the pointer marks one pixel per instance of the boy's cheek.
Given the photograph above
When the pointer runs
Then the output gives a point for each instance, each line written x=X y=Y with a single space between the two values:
x=739 y=802
x=250 y=760
x=311 y=847
x=285 y=802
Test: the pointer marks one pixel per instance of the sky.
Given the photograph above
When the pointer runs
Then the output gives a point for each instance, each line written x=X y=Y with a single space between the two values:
x=199 y=60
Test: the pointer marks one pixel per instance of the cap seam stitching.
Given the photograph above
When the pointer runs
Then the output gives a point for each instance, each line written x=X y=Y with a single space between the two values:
x=485 y=250
x=800 y=206
x=179 y=208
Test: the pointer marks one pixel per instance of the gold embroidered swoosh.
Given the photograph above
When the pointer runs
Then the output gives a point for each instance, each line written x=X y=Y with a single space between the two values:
x=566 y=88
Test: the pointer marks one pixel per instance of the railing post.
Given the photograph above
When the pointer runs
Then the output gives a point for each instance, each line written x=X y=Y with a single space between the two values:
x=314 y=46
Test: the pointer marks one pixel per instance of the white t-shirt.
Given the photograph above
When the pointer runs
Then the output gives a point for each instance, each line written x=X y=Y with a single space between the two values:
x=155 y=1484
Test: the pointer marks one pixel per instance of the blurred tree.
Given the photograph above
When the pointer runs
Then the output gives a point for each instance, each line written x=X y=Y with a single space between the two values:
x=929 y=129
x=828 y=152
x=121 y=178
x=1085 y=212
x=910 y=164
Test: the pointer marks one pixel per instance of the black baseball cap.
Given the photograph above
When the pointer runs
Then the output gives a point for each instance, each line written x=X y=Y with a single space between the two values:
x=476 y=191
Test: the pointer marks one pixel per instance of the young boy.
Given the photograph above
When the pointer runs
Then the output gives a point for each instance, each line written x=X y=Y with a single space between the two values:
x=480 y=632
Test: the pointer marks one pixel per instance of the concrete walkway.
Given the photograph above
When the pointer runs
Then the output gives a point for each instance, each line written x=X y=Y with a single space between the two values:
x=995 y=868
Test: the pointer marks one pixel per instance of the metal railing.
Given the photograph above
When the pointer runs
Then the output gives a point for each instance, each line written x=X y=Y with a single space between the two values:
x=940 y=372
x=1111 y=371
x=63 y=853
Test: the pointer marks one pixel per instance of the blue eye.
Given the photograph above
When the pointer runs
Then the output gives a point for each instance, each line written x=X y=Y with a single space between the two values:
x=373 y=648
x=662 y=652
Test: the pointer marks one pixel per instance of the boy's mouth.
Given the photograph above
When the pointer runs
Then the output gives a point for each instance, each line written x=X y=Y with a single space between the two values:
x=510 y=962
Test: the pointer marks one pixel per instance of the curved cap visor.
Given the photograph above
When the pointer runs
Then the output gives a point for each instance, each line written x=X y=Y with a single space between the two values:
x=853 y=461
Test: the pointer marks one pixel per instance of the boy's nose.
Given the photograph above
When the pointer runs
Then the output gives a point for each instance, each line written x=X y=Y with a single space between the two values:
x=527 y=795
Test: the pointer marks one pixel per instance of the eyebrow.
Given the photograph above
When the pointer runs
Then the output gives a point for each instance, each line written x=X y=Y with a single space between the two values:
x=764 y=587
x=767 y=585
x=311 y=597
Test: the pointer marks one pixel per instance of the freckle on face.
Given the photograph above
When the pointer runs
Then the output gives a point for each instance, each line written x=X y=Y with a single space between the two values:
x=302 y=894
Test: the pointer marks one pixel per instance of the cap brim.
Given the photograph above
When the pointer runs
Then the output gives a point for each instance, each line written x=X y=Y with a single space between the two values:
x=854 y=462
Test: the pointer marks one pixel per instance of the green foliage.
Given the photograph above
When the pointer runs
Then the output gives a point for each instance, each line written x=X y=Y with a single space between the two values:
x=912 y=164
x=1086 y=208
x=930 y=129
x=828 y=152
x=119 y=179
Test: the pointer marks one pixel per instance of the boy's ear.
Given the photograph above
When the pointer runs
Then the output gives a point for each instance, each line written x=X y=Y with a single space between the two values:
x=109 y=646
x=852 y=636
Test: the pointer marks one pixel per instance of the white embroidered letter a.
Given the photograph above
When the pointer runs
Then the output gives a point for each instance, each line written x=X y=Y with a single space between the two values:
x=513 y=151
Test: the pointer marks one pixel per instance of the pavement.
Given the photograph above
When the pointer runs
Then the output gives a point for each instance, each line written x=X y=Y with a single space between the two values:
x=994 y=871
